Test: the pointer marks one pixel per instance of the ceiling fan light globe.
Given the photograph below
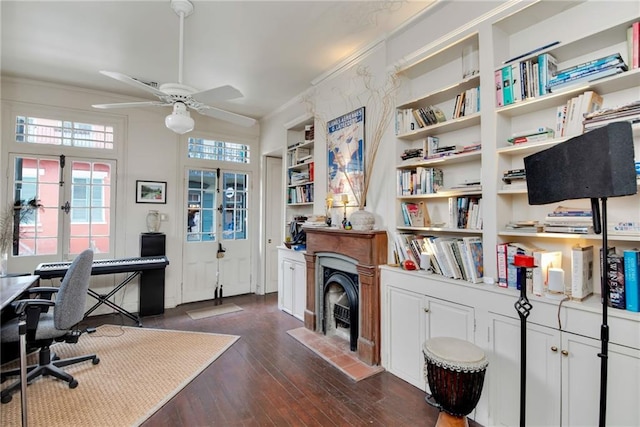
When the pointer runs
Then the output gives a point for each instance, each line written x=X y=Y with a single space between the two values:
x=179 y=123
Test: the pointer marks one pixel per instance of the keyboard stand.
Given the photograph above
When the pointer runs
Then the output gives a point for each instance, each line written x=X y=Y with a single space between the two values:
x=104 y=299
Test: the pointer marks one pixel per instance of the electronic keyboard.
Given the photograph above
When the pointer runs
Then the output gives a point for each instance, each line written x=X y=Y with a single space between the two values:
x=49 y=270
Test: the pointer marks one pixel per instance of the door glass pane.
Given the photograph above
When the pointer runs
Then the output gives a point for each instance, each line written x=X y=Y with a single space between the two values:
x=36 y=180
x=235 y=187
x=201 y=206
x=90 y=199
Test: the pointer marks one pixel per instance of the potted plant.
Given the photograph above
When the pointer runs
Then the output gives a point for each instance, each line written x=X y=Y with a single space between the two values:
x=11 y=217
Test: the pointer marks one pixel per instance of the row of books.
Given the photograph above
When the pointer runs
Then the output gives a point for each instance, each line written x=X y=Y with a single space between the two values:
x=457 y=258
x=628 y=112
x=569 y=220
x=467 y=103
x=299 y=177
x=532 y=135
x=410 y=119
x=525 y=79
x=623 y=279
x=415 y=214
x=591 y=70
x=465 y=212
x=300 y=194
x=421 y=180
x=570 y=117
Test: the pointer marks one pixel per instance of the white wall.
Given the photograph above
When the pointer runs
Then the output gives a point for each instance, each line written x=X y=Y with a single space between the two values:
x=342 y=91
x=148 y=151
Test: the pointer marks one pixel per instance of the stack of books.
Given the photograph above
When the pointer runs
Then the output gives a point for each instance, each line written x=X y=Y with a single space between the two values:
x=570 y=117
x=412 y=153
x=514 y=179
x=532 y=135
x=588 y=71
x=569 y=220
x=628 y=112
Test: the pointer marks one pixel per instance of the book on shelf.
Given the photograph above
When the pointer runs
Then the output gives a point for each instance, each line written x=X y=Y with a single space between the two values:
x=581 y=272
x=548 y=136
x=501 y=264
x=525 y=226
x=518 y=82
x=544 y=260
x=615 y=281
x=498 y=85
x=634 y=56
x=569 y=229
x=561 y=116
x=474 y=253
x=585 y=67
x=632 y=279
x=587 y=77
x=547 y=68
x=429 y=145
x=507 y=89
x=513 y=249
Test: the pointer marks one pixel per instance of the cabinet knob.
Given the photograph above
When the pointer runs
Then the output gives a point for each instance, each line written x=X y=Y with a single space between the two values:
x=564 y=353
x=426 y=310
x=554 y=348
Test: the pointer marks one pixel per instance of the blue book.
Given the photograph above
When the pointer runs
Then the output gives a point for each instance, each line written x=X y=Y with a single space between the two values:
x=507 y=87
x=632 y=279
x=584 y=65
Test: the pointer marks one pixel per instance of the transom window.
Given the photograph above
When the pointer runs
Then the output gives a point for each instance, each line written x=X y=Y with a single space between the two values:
x=36 y=130
x=207 y=149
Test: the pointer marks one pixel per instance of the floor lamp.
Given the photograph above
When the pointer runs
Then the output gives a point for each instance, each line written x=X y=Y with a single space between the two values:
x=596 y=165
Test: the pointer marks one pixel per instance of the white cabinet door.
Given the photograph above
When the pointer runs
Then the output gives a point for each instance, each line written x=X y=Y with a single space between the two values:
x=448 y=319
x=299 y=285
x=405 y=334
x=288 y=269
x=581 y=383
x=503 y=373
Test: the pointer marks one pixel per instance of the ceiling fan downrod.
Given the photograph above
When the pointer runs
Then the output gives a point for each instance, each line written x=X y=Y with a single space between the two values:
x=182 y=8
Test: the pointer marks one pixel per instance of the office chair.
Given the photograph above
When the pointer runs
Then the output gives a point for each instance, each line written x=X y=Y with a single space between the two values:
x=44 y=327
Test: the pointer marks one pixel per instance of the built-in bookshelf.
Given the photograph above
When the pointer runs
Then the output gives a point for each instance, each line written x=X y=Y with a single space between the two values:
x=299 y=170
x=439 y=143
x=515 y=35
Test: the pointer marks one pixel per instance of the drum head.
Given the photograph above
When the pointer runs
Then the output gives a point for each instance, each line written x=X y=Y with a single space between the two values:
x=454 y=352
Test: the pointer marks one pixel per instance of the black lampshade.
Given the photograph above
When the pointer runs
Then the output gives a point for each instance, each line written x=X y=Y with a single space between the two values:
x=597 y=164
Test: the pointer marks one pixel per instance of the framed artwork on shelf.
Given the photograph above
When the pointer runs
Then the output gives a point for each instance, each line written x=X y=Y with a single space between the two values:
x=151 y=192
x=345 y=157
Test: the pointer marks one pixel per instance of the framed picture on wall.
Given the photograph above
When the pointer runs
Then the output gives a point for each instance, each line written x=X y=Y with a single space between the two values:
x=345 y=156
x=151 y=192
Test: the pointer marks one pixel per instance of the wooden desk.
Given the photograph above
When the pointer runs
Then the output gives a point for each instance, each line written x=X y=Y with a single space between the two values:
x=12 y=287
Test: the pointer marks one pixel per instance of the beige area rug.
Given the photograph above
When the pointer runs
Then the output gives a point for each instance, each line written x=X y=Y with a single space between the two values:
x=201 y=313
x=336 y=351
x=139 y=371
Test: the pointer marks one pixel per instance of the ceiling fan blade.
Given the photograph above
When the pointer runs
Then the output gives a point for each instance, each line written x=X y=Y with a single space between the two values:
x=227 y=116
x=133 y=82
x=221 y=93
x=131 y=104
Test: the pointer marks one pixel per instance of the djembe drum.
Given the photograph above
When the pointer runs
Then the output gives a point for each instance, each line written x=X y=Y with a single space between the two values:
x=454 y=370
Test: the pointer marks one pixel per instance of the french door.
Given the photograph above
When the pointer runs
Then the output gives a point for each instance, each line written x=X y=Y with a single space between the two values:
x=75 y=197
x=217 y=258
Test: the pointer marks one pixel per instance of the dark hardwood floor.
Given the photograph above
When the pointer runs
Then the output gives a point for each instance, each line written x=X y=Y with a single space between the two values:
x=267 y=378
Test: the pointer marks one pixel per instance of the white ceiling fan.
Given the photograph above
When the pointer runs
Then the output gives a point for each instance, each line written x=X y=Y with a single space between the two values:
x=180 y=96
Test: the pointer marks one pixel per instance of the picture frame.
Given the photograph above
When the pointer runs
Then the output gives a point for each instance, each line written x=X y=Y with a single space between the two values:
x=345 y=155
x=151 y=192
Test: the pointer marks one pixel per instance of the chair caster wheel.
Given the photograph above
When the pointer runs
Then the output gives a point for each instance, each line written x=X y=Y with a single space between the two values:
x=6 y=399
x=73 y=384
x=95 y=361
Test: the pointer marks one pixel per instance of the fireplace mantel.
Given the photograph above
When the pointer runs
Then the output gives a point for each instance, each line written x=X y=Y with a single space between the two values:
x=369 y=249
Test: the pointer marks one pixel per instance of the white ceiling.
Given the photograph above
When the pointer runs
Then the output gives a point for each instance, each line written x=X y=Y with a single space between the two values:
x=269 y=50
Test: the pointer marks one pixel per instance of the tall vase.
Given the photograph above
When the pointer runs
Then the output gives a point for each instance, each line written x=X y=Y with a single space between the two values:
x=4 y=261
x=362 y=220
x=153 y=221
